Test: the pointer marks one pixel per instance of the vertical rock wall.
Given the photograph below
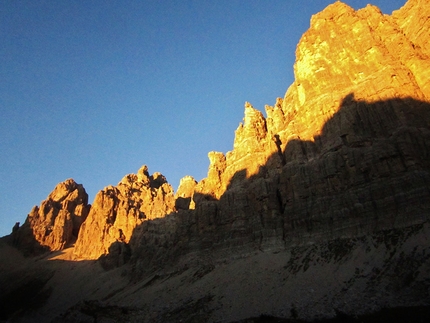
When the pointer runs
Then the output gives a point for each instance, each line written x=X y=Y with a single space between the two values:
x=56 y=222
x=117 y=210
x=344 y=153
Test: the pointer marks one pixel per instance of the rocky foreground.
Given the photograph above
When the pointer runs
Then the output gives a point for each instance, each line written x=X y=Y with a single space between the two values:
x=321 y=210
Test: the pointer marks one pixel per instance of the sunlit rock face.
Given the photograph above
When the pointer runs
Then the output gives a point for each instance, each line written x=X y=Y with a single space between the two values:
x=324 y=201
x=356 y=128
x=344 y=142
x=344 y=153
x=117 y=210
x=56 y=222
x=362 y=52
x=185 y=192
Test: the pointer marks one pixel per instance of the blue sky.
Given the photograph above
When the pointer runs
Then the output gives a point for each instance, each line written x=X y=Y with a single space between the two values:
x=92 y=90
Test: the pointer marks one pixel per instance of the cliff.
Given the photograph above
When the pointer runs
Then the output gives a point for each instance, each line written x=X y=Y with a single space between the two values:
x=335 y=158
x=116 y=211
x=322 y=205
x=54 y=224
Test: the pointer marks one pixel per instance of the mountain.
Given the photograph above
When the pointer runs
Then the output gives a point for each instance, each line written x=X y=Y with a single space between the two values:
x=320 y=211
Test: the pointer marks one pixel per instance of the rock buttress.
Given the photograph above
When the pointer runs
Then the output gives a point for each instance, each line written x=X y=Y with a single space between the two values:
x=118 y=210
x=57 y=221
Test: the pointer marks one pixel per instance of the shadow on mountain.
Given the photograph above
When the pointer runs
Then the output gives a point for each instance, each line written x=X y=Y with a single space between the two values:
x=22 y=281
x=416 y=314
x=119 y=254
x=22 y=239
x=368 y=170
x=365 y=173
x=30 y=284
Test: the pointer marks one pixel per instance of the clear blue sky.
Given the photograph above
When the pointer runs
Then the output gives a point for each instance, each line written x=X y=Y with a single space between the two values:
x=92 y=90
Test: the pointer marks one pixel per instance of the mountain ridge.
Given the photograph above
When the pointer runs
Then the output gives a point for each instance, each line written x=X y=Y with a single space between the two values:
x=334 y=179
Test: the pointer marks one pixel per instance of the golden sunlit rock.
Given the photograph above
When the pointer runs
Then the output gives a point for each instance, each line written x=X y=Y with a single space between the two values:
x=56 y=222
x=117 y=210
x=322 y=207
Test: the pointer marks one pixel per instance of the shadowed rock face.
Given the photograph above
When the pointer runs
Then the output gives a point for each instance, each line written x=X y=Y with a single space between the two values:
x=117 y=210
x=373 y=56
x=335 y=180
x=343 y=153
x=56 y=222
x=376 y=178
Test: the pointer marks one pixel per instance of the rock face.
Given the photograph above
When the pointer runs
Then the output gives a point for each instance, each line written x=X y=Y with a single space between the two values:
x=183 y=197
x=56 y=222
x=374 y=56
x=356 y=123
x=117 y=210
x=345 y=153
x=335 y=157
x=335 y=180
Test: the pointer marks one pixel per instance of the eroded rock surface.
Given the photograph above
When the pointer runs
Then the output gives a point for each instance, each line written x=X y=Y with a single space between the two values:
x=325 y=200
x=56 y=222
x=345 y=153
x=117 y=210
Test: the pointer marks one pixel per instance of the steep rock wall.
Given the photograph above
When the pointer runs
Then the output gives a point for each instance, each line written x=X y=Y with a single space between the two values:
x=117 y=210
x=56 y=222
x=374 y=56
x=345 y=153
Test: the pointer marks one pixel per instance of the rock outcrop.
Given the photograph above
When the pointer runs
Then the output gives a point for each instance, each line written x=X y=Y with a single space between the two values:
x=356 y=123
x=56 y=222
x=325 y=200
x=117 y=210
x=184 y=194
x=345 y=153
x=374 y=56
x=335 y=157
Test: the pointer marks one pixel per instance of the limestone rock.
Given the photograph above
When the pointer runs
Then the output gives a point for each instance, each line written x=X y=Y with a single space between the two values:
x=346 y=51
x=336 y=156
x=212 y=186
x=119 y=253
x=253 y=145
x=118 y=210
x=57 y=221
x=327 y=197
x=343 y=153
x=184 y=195
x=249 y=145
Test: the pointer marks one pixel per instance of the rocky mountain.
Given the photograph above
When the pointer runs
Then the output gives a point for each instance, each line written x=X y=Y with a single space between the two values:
x=117 y=211
x=54 y=224
x=320 y=210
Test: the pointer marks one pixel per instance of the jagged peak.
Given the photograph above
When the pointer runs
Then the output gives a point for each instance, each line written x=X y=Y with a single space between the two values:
x=336 y=174
x=142 y=174
x=372 y=9
x=143 y=178
x=187 y=179
x=215 y=157
x=251 y=115
x=332 y=12
x=63 y=189
x=185 y=189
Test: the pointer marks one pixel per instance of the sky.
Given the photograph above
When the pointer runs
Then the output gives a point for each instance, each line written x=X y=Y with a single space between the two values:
x=93 y=90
